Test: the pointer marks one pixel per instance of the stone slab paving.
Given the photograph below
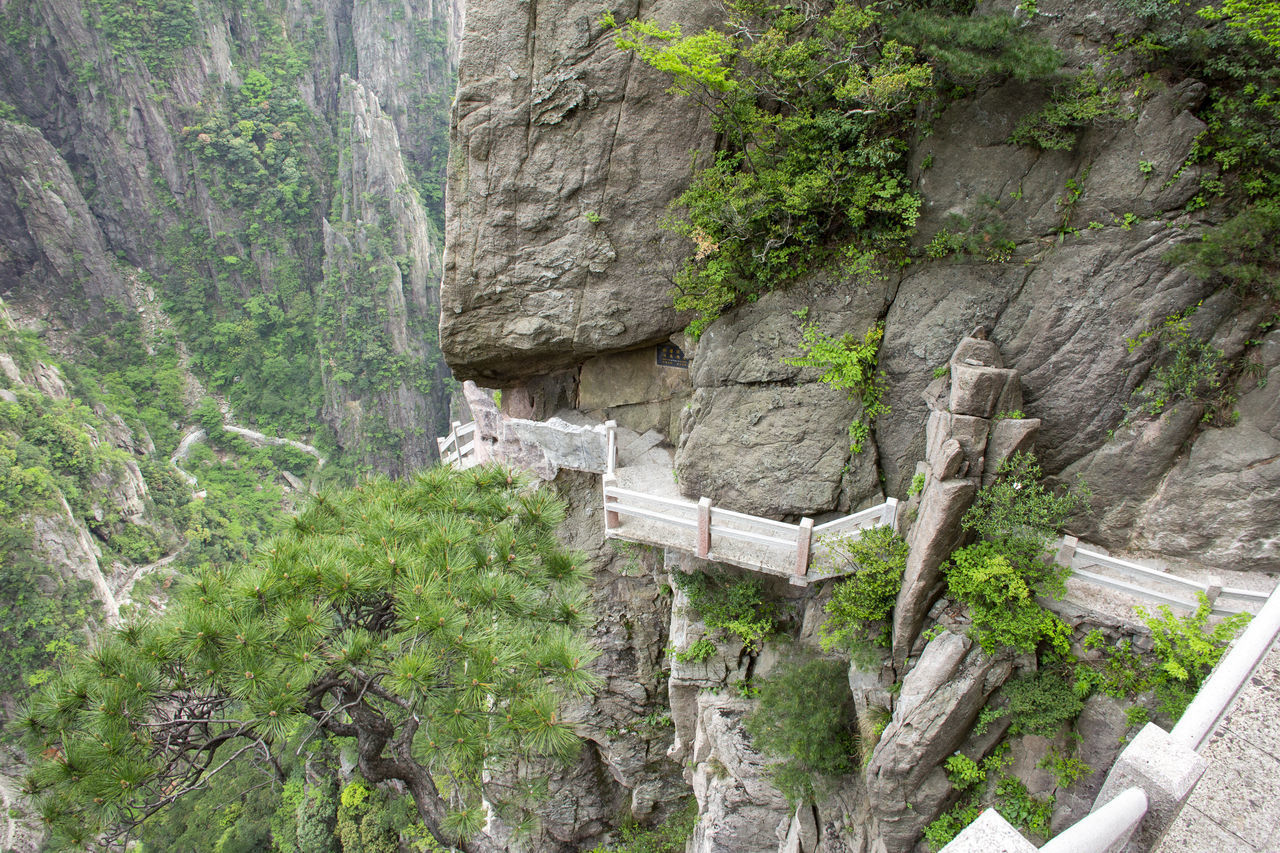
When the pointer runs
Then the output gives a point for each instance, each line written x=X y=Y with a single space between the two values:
x=1236 y=804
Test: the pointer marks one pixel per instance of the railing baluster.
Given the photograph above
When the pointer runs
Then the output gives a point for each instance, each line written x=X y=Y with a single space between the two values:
x=704 y=527
x=804 y=539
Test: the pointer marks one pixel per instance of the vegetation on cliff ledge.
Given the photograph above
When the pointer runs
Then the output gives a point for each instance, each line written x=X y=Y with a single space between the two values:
x=817 y=106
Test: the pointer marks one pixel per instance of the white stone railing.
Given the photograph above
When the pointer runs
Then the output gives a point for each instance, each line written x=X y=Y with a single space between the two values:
x=725 y=536
x=1144 y=582
x=1156 y=772
x=453 y=450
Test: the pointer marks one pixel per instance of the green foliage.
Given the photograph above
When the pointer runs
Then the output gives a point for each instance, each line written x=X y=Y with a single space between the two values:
x=737 y=606
x=1040 y=703
x=1019 y=513
x=221 y=819
x=816 y=104
x=306 y=818
x=700 y=651
x=153 y=31
x=1244 y=251
x=868 y=595
x=1187 y=648
x=999 y=577
x=805 y=722
x=1187 y=368
x=1118 y=672
x=1260 y=19
x=848 y=365
x=1016 y=805
x=963 y=772
x=1067 y=769
x=441 y=610
x=668 y=836
x=917 y=485
x=1231 y=47
x=1085 y=102
x=362 y=823
x=951 y=823
x=1001 y=601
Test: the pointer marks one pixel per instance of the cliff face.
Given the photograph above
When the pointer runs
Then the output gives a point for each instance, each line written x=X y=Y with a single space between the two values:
x=259 y=166
x=526 y=292
x=557 y=284
x=564 y=154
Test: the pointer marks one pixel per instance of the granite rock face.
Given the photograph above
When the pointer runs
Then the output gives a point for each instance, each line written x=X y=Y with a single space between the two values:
x=763 y=437
x=939 y=700
x=565 y=153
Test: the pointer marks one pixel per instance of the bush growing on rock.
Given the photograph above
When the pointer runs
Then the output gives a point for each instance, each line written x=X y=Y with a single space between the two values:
x=860 y=604
x=805 y=722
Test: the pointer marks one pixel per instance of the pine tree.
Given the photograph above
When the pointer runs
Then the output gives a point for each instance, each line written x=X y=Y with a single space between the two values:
x=436 y=622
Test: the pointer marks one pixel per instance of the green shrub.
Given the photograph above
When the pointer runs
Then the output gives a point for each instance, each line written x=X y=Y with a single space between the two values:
x=805 y=722
x=666 y=837
x=1040 y=703
x=999 y=577
x=848 y=366
x=1016 y=805
x=1066 y=769
x=1019 y=513
x=1187 y=368
x=1244 y=251
x=867 y=596
x=700 y=651
x=733 y=605
x=1056 y=126
x=815 y=103
x=1001 y=601
x=1187 y=649
x=951 y=823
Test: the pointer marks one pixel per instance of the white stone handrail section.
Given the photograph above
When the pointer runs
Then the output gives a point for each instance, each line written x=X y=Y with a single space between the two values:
x=452 y=449
x=722 y=535
x=1151 y=584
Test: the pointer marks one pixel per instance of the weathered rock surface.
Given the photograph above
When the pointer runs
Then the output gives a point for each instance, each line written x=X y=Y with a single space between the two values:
x=939 y=700
x=553 y=128
x=764 y=437
x=961 y=452
x=1219 y=503
x=740 y=810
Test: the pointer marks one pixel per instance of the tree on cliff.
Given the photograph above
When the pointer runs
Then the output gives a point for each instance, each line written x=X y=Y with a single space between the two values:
x=435 y=622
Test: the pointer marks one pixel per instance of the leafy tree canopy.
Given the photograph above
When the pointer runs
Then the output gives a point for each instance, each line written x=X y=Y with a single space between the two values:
x=436 y=622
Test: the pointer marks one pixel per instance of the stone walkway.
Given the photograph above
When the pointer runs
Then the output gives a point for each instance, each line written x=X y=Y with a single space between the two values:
x=1235 y=807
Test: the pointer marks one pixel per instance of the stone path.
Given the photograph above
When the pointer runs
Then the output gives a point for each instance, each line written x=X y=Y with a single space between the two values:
x=1235 y=807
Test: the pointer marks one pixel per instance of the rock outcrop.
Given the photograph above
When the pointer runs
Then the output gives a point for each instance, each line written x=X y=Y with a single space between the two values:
x=565 y=151
x=939 y=700
x=965 y=445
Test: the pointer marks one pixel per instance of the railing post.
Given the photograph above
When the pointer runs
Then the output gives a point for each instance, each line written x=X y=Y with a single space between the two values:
x=611 y=447
x=889 y=518
x=1067 y=551
x=704 y=527
x=804 y=538
x=1213 y=589
x=610 y=517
